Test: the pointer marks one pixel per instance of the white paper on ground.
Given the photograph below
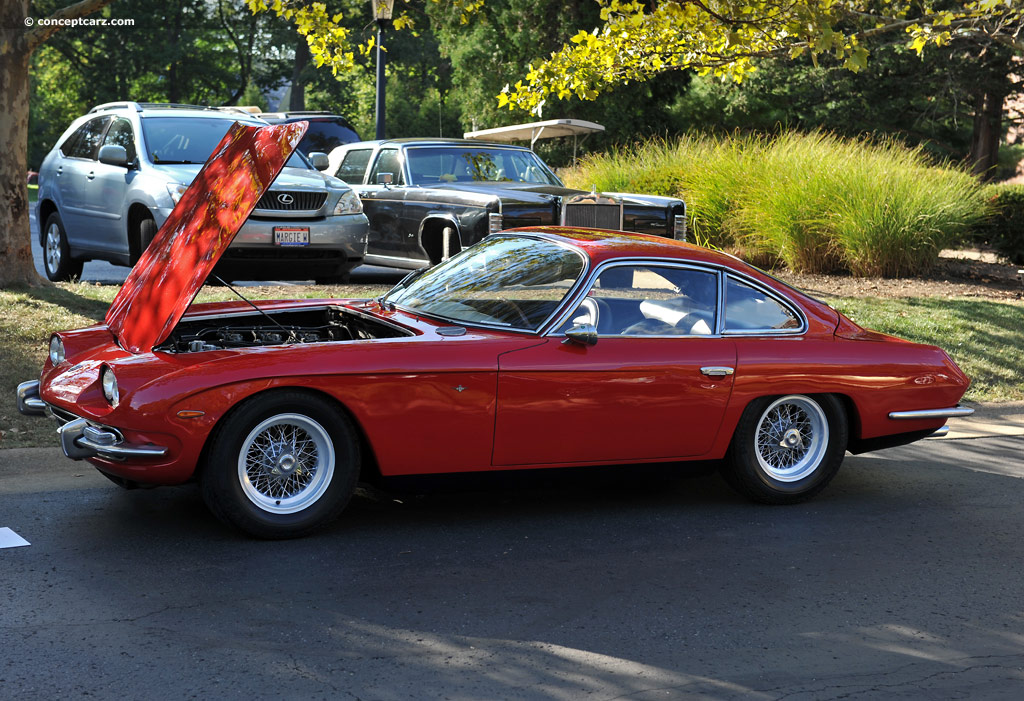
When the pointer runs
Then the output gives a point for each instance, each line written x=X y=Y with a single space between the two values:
x=10 y=539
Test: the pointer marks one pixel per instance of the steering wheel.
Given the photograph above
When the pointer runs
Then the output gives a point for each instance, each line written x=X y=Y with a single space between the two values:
x=515 y=308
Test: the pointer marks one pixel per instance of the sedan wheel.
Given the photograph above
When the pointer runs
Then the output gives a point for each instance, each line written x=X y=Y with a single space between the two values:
x=281 y=465
x=786 y=449
x=57 y=259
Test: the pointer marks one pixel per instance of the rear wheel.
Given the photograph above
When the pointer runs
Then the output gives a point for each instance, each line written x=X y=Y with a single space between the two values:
x=786 y=449
x=57 y=261
x=282 y=465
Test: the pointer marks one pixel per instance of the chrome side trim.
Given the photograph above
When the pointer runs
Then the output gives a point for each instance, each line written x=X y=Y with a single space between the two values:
x=79 y=440
x=29 y=402
x=932 y=413
x=939 y=432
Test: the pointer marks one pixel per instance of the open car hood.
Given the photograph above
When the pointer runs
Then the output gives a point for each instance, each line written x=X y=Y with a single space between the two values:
x=171 y=270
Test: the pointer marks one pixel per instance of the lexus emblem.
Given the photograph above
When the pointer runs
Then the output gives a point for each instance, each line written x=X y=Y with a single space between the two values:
x=285 y=199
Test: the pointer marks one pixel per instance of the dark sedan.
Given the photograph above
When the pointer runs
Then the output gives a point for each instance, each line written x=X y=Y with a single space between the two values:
x=427 y=199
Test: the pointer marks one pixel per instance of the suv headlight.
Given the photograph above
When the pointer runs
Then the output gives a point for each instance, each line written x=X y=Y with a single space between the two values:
x=176 y=190
x=348 y=203
x=56 y=351
x=109 y=383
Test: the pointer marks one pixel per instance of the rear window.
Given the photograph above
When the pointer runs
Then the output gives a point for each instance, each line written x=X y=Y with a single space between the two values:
x=327 y=135
x=353 y=167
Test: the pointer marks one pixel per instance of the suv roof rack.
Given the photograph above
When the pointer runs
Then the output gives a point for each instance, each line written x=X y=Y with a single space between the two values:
x=140 y=106
x=297 y=113
x=116 y=106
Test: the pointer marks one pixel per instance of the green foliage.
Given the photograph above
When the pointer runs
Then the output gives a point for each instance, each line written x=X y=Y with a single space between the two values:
x=1005 y=229
x=816 y=202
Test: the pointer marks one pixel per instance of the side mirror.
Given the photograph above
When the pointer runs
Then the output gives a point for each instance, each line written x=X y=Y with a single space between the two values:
x=584 y=334
x=319 y=160
x=114 y=155
x=385 y=179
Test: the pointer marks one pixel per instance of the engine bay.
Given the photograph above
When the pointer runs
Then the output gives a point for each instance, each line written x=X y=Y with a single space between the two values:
x=275 y=328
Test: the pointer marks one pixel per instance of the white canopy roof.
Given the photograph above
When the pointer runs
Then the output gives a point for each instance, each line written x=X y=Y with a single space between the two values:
x=536 y=130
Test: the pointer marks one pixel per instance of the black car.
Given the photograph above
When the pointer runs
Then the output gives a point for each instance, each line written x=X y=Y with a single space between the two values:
x=426 y=199
x=325 y=133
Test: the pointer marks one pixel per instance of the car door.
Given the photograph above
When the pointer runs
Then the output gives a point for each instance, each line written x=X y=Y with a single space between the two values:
x=75 y=174
x=384 y=207
x=654 y=386
x=104 y=197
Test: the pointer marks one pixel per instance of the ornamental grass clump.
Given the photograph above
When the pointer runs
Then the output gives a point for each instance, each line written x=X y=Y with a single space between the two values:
x=815 y=201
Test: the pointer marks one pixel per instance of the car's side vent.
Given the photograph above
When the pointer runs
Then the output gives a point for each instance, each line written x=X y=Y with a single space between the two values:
x=291 y=200
x=593 y=212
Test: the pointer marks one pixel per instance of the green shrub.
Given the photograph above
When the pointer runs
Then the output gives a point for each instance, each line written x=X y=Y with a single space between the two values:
x=815 y=201
x=1005 y=228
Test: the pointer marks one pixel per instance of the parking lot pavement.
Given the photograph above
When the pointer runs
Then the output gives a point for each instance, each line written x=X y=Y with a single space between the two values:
x=109 y=274
x=901 y=580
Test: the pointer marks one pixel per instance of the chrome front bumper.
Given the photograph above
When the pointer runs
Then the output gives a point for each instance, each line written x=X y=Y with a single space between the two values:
x=932 y=413
x=80 y=438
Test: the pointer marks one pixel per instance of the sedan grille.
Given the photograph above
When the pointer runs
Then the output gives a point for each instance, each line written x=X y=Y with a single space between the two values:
x=594 y=216
x=291 y=200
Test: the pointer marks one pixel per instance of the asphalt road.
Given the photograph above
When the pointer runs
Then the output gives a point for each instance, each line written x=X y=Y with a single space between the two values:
x=107 y=273
x=903 y=580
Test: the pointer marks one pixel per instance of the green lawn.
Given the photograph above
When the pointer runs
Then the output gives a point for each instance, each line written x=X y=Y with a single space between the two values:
x=985 y=338
x=33 y=193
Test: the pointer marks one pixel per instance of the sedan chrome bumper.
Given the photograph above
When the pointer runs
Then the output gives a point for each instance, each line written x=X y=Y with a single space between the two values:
x=29 y=402
x=932 y=413
x=80 y=439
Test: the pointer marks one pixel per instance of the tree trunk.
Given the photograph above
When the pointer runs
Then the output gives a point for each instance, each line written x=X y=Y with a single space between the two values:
x=17 y=42
x=16 y=267
x=297 y=98
x=988 y=130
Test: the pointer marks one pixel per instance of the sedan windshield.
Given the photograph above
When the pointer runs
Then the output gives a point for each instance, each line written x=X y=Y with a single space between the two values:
x=185 y=140
x=460 y=164
x=510 y=281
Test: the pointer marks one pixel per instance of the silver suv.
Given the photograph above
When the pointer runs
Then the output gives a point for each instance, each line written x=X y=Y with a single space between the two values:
x=117 y=172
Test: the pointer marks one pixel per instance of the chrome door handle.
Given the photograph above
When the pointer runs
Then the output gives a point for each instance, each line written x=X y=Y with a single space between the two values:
x=60 y=169
x=717 y=371
x=91 y=175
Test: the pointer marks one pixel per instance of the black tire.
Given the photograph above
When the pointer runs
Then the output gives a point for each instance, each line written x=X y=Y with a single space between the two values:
x=57 y=260
x=254 y=477
x=147 y=230
x=815 y=431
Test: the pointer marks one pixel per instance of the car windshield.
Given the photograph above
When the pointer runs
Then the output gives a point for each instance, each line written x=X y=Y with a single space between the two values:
x=176 y=140
x=458 y=164
x=511 y=281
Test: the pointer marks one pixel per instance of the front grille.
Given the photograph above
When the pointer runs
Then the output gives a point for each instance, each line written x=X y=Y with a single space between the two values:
x=291 y=200
x=594 y=216
x=61 y=416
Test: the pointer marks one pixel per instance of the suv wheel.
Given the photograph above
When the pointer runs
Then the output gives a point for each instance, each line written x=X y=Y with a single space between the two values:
x=57 y=260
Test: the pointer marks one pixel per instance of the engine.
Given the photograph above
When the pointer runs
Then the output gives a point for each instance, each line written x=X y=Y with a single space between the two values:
x=275 y=328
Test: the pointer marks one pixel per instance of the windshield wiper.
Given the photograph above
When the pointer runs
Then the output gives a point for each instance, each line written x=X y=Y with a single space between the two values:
x=159 y=161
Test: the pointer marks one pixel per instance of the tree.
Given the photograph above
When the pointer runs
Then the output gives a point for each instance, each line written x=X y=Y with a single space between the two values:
x=20 y=35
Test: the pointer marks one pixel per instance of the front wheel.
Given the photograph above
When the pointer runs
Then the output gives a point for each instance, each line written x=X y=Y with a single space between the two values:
x=57 y=260
x=786 y=449
x=281 y=465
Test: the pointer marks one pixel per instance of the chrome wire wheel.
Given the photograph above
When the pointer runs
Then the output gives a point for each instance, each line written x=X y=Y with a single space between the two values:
x=286 y=463
x=52 y=248
x=791 y=438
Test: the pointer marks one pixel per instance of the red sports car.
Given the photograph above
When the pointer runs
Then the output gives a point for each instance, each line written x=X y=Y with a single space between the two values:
x=539 y=347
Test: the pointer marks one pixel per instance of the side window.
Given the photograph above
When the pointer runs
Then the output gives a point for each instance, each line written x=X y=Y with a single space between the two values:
x=85 y=142
x=120 y=134
x=750 y=309
x=650 y=301
x=353 y=166
x=388 y=162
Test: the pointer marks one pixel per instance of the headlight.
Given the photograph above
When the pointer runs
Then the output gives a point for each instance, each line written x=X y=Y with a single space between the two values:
x=56 y=351
x=348 y=203
x=109 y=383
x=176 y=190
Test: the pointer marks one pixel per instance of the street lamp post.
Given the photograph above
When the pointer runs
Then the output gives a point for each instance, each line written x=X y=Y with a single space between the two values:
x=382 y=10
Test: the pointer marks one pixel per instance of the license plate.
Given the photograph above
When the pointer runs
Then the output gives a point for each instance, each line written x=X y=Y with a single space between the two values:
x=291 y=235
